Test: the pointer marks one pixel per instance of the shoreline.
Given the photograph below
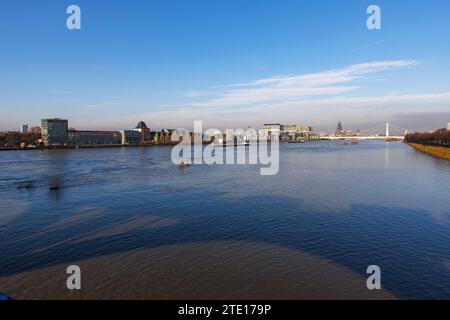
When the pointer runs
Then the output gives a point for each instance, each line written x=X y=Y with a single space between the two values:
x=96 y=146
x=85 y=147
x=438 y=152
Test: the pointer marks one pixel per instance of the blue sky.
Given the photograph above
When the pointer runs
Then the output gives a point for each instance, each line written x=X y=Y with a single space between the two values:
x=226 y=62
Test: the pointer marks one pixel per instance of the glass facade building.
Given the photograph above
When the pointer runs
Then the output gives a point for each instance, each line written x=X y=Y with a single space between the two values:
x=55 y=131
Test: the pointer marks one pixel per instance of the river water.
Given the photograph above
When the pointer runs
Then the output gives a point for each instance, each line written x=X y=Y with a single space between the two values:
x=141 y=228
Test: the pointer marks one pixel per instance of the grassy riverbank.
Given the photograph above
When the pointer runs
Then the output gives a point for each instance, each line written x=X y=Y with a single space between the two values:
x=440 y=152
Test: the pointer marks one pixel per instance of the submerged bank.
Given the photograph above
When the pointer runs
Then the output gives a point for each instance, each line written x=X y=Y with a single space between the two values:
x=440 y=152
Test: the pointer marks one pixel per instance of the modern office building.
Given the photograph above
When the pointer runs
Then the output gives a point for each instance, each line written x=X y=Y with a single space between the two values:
x=55 y=131
x=298 y=131
x=290 y=128
x=274 y=127
x=295 y=128
x=131 y=137
x=24 y=128
x=78 y=138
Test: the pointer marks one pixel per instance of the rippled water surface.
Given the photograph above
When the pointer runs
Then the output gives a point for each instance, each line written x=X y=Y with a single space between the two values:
x=139 y=227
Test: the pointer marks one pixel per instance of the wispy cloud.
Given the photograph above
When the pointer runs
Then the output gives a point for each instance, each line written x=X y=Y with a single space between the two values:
x=272 y=94
x=295 y=87
x=319 y=99
x=323 y=114
x=401 y=100
x=104 y=104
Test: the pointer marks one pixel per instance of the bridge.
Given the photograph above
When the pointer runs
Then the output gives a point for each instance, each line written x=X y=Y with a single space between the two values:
x=391 y=132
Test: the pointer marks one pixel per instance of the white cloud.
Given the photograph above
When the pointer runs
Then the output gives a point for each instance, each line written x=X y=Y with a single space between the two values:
x=269 y=94
x=104 y=104
x=318 y=99
x=394 y=101
x=282 y=88
x=356 y=112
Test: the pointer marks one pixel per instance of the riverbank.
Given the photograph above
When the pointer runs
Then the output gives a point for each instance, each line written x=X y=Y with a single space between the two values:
x=84 y=147
x=439 y=152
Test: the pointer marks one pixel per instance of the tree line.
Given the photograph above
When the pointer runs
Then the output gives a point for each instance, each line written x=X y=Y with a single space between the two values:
x=439 y=137
x=14 y=139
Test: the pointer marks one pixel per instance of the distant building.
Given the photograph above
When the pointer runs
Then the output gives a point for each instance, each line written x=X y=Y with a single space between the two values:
x=24 y=128
x=340 y=128
x=448 y=126
x=131 y=137
x=347 y=133
x=229 y=136
x=291 y=129
x=178 y=136
x=55 y=131
x=94 y=137
x=313 y=137
x=165 y=136
x=141 y=125
x=145 y=132
x=297 y=132
x=251 y=134
x=274 y=127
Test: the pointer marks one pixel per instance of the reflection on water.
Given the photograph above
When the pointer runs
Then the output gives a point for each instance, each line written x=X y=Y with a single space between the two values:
x=140 y=228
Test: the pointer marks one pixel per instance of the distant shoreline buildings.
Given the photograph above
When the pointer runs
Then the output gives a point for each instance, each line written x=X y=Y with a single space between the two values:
x=340 y=132
x=55 y=132
x=292 y=133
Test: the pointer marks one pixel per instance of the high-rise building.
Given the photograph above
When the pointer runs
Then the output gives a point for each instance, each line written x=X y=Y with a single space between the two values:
x=55 y=131
x=339 y=127
x=24 y=128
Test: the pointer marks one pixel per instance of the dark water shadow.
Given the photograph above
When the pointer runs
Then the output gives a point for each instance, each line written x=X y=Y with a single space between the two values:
x=411 y=257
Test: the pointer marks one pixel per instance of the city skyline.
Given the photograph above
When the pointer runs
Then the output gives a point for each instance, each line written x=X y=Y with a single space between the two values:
x=25 y=128
x=229 y=64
